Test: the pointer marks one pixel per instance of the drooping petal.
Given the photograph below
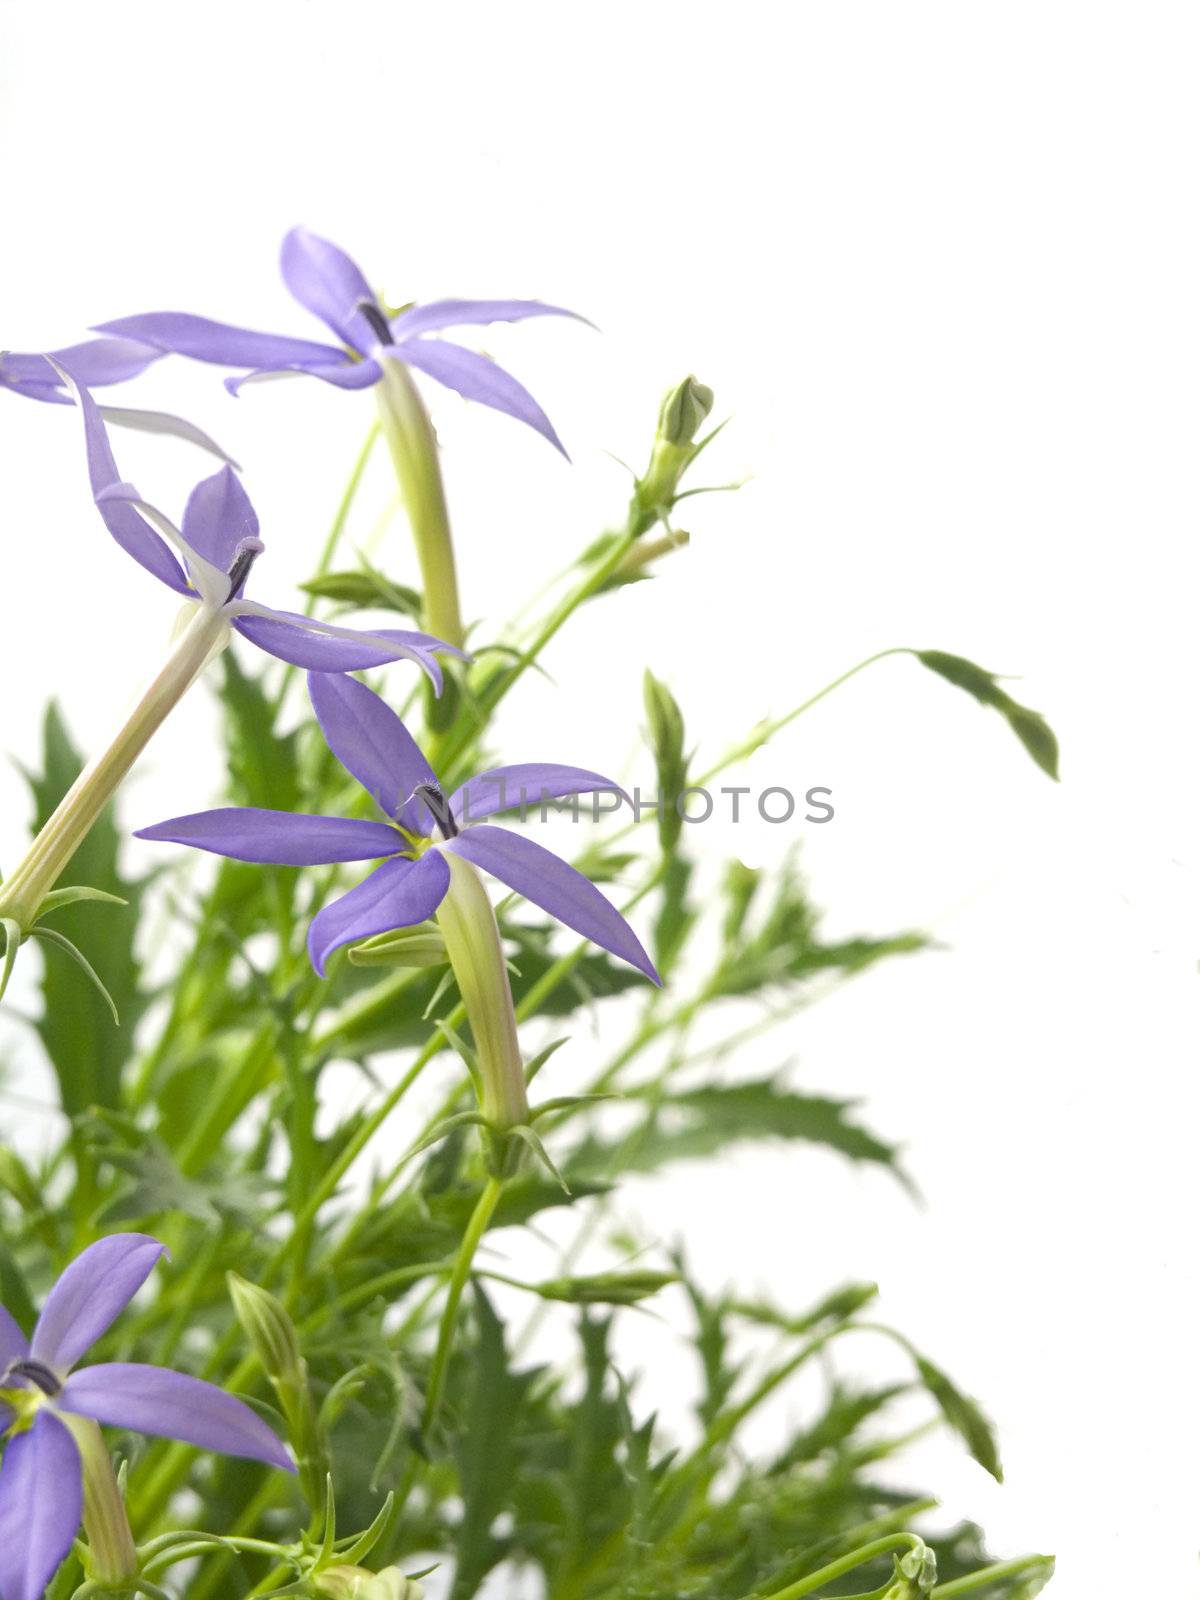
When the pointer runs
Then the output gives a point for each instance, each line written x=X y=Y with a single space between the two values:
x=277 y=838
x=211 y=582
x=127 y=526
x=126 y=1394
x=13 y=1343
x=329 y=284
x=342 y=373
x=373 y=745
x=90 y=1296
x=476 y=378
x=164 y=422
x=438 y=314
x=324 y=647
x=549 y=882
x=527 y=785
x=41 y=1506
x=180 y=333
x=218 y=517
x=93 y=363
x=396 y=895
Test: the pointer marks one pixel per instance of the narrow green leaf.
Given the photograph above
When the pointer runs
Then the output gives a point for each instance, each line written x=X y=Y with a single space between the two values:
x=52 y=936
x=964 y=1416
x=76 y=893
x=1030 y=727
x=366 y=589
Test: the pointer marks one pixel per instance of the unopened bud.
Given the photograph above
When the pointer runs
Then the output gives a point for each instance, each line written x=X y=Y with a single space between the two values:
x=269 y=1329
x=680 y=418
x=666 y=729
x=422 y=946
x=607 y=1288
x=356 y=1583
x=741 y=885
x=684 y=410
x=915 y=1575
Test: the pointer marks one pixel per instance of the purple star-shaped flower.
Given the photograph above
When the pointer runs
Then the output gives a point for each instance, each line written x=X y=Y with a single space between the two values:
x=374 y=746
x=219 y=544
x=328 y=283
x=95 y=363
x=41 y=1479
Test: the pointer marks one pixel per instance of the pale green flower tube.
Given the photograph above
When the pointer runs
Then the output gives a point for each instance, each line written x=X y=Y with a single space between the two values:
x=112 y=1558
x=413 y=445
x=468 y=926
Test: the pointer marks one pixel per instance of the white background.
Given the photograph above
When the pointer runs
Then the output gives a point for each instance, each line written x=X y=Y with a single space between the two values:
x=941 y=264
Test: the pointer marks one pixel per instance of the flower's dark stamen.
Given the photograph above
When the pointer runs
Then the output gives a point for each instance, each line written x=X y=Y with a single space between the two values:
x=248 y=553
x=377 y=321
x=37 y=1373
x=437 y=803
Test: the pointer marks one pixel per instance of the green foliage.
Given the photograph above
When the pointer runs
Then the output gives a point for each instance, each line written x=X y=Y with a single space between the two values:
x=88 y=1053
x=694 y=1123
x=265 y=1124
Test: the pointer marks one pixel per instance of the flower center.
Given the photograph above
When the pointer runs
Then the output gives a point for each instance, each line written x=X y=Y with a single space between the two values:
x=37 y=1373
x=433 y=797
x=248 y=552
x=377 y=321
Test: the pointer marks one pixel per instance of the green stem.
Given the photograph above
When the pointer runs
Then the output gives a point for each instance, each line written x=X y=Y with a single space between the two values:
x=21 y=895
x=839 y=1568
x=768 y=730
x=986 y=1575
x=333 y=538
x=476 y=1228
x=341 y=516
x=506 y=678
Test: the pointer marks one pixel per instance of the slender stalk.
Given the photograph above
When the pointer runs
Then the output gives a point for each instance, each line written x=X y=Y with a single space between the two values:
x=986 y=1575
x=476 y=713
x=476 y=1228
x=844 y=1564
x=22 y=893
x=341 y=516
x=332 y=540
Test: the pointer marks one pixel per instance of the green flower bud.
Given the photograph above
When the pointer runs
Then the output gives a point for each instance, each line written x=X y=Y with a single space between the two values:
x=421 y=946
x=269 y=1329
x=356 y=1583
x=680 y=418
x=607 y=1288
x=915 y=1575
x=666 y=730
x=683 y=411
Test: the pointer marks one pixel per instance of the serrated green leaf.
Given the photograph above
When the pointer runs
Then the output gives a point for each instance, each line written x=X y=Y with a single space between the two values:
x=700 y=1122
x=485 y=1449
x=964 y=1416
